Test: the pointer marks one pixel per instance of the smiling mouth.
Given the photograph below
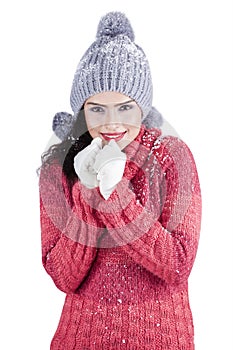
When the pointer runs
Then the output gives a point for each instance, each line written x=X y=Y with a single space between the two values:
x=117 y=136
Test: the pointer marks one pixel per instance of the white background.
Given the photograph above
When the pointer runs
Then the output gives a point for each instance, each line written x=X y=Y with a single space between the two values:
x=189 y=46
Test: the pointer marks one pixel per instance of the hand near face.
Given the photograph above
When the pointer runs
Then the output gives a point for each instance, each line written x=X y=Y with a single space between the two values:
x=84 y=161
x=103 y=167
x=109 y=166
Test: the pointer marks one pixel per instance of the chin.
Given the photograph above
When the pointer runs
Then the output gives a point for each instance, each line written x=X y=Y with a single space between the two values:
x=123 y=143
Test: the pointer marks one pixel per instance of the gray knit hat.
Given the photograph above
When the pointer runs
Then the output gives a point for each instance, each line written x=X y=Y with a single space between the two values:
x=112 y=63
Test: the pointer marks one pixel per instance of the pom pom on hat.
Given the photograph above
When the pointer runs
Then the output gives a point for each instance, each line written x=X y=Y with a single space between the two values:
x=62 y=124
x=153 y=119
x=113 y=24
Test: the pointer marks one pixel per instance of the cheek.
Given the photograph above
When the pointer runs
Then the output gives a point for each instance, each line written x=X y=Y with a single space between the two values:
x=134 y=124
x=134 y=119
x=133 y=132
x=92 y=126
x=93 y=132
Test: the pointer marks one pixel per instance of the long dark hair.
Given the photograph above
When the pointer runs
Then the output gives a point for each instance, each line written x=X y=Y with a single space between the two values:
x=65 y=151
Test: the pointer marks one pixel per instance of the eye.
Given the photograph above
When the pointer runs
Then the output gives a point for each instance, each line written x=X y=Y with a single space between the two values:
x=125 y=107
x=97 y=109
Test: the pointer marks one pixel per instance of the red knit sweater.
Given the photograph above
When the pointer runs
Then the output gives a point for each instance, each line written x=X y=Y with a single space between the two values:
x=124 y=263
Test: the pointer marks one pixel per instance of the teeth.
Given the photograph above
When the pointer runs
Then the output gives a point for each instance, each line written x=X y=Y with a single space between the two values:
x=113 y=136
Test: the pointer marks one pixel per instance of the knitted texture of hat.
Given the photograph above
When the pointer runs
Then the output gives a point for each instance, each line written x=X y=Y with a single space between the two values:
x=113 y=63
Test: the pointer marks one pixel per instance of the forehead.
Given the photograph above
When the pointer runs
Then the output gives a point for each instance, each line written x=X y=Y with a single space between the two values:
x=109 y=97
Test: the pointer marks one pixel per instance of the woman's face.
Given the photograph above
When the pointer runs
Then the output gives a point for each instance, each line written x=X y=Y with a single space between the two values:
x=112 y=115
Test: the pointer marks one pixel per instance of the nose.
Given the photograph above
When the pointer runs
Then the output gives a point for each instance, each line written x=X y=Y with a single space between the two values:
x=112 y=119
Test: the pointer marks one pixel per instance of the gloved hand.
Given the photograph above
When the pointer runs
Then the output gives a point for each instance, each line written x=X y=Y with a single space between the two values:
x=109 y=166
x=84 y=161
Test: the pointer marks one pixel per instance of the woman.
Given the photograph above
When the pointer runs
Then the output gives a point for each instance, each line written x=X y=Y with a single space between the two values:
x=120 y=207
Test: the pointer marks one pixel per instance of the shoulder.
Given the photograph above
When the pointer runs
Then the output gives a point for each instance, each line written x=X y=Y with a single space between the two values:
x=171 y=152
x=167 y=147
x=53 y=180
x=161 y=145
x=178 y=164
x=176 y=149
x=51 y=172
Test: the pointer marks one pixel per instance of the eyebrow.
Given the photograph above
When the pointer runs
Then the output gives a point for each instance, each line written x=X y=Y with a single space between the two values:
x=102 y=105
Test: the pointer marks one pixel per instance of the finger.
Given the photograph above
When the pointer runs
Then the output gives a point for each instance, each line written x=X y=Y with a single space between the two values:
x=113 y=144
x=97 y=141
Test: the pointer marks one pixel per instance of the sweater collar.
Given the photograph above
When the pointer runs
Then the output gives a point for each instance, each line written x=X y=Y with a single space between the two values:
x=139 y=149
x=145 y=138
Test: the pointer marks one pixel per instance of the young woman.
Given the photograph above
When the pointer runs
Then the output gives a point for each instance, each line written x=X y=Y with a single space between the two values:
x=120 y=207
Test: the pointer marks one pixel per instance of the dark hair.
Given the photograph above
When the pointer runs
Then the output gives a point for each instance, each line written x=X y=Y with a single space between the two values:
x=65 y=151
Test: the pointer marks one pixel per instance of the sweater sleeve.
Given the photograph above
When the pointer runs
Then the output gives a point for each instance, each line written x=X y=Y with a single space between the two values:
x=68 y=229
x=163 y=240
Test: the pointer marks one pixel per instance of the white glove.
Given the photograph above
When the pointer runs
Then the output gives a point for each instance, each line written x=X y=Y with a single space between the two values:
x=109 y=166
x=84 y=161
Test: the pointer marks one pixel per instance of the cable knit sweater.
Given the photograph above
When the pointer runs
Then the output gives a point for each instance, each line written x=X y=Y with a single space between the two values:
x=124 y=262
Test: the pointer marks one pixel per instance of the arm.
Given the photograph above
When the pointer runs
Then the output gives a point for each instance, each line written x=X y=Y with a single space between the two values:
x=165 y=242
x=68 y=228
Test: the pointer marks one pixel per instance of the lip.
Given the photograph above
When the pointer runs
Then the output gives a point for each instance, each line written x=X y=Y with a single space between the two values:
x=117 y=136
